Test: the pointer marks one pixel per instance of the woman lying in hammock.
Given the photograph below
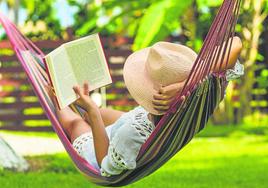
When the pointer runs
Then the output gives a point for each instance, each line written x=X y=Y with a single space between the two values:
x=110 y=140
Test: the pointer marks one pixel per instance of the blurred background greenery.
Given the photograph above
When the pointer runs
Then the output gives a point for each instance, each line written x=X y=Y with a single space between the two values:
x=153 y=20
x=222 y=156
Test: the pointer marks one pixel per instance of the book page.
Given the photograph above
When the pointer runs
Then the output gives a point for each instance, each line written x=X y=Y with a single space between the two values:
x=62 y=76
x=88 y=61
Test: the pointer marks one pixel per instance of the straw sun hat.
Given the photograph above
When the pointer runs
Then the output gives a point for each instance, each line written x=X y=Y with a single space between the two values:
x=163 y=64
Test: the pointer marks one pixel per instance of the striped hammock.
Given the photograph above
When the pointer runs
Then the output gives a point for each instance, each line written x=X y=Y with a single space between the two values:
x=185 y=118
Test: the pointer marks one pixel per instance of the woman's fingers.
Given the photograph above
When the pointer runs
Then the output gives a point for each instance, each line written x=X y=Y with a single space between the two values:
x=188 y=93
x=161 y=108
x=86 y=88
x=167 y=89
x=85 y=116
x=81 y=104
x=50 y=90
x=161 y=102
x=85 y=91
x=161 y=97
x=77 y=90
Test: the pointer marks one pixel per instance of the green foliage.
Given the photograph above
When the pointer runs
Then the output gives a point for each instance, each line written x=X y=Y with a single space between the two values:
x=146 y=21
x=43 y=10
x=160 y=19
x=153 y=20
x=107 y=16
x=266 y=6
x=262 y=80
x=204 y=4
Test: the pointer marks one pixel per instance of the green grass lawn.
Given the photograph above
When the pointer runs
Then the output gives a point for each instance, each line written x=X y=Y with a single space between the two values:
x=218 y=157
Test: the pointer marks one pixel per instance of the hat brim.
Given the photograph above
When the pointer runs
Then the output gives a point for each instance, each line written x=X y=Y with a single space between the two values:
x=138 y=82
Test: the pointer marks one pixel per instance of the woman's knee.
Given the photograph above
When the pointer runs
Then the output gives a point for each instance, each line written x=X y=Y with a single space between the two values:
x=77 y=127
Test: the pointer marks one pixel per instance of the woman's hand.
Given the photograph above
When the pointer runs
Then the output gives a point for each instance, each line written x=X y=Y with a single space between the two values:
x=51 y=93
x=93 y=117
x=84 y=101
x=162 y=100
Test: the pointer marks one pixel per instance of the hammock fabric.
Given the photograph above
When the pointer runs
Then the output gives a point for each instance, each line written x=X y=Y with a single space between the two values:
x=203 y=90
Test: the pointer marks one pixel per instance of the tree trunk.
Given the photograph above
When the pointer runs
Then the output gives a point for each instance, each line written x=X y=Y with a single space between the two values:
x=9 y=159
x=251 y=33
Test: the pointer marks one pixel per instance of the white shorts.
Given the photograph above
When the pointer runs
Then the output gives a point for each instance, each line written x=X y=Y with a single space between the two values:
x=84 y=145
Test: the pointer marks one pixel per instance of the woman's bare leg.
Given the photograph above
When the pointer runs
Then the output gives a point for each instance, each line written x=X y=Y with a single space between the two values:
x=109 y=116
x=74 y=125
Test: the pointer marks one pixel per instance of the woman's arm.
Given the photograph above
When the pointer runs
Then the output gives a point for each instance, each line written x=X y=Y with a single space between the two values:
x=234 y=54
x=109 y=116
x=93 y=117
x=100 y=137
x=166 y=94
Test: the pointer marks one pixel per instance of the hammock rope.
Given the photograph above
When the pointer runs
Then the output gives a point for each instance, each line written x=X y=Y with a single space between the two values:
x=203 y=90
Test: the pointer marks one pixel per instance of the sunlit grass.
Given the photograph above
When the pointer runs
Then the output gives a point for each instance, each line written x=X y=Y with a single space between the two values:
x=30 y=134
x=234 y=157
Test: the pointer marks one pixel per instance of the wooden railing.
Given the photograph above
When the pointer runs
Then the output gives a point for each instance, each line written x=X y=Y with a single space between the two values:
x=19 y=106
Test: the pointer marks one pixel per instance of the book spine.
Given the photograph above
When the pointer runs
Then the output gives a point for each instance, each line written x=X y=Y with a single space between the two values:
x=101 y=42
x=46 y=68
x=50 y=80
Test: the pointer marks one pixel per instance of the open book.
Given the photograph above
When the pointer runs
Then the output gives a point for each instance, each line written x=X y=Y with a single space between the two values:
x=75 y=62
